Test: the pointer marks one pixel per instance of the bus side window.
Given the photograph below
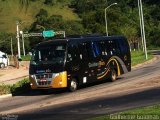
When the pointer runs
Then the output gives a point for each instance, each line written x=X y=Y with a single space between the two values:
x=72 y=53
x=110 y=47
x=102 y=47
x=82 y=51
x=117 y=46
x=96 y=49
x=89 y=50
x=113 y=47
x=107 y=48
x=123 y=46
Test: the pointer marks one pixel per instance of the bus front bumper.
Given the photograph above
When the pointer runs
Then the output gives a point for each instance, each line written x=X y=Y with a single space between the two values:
x=58 y=80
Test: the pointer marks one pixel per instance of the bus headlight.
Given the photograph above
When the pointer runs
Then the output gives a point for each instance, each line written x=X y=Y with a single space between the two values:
x=32 y=76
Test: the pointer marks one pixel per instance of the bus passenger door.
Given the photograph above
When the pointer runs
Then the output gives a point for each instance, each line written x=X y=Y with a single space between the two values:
x=73 y=65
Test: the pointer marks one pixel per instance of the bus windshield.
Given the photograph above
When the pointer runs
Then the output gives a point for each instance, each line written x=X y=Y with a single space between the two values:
x=51 y=54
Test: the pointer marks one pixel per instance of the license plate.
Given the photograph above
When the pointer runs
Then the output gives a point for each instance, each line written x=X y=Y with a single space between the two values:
x=43 y=80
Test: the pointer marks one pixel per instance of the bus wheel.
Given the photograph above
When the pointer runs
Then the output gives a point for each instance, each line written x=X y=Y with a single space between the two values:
x=113 y=75
x=2 y=65
x=72 y=86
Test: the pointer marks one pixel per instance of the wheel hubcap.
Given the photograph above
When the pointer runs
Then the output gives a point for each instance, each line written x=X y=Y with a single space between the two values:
x=113 y=76
x=73 y=85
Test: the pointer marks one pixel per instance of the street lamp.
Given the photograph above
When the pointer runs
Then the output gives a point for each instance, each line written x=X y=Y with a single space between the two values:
x=106 y=16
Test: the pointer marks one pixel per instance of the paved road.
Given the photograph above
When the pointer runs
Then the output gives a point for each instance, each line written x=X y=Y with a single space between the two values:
x=91 y=101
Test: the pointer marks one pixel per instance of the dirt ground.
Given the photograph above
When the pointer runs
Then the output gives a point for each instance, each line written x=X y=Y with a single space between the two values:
x=11 y=75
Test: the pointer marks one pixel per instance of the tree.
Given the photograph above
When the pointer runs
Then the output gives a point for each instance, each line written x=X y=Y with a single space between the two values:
x=5 y=42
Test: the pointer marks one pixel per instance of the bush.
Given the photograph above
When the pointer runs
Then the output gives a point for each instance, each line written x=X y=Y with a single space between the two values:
x=20 y=87
x=5 y=89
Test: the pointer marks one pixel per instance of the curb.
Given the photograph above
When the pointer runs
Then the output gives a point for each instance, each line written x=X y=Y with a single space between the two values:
x=145 y=63
x=5 y=96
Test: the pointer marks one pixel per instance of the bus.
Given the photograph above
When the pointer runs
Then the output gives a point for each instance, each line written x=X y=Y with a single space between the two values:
x=71 y=62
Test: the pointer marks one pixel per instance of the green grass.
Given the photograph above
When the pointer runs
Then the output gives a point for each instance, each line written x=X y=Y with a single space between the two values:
x=11 y=11
x=5 y=89
x=26 y=58
x=18 y=88
x=151 y=112
x=139 y=57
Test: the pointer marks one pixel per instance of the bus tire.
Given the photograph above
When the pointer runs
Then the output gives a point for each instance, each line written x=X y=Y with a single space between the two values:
x=113 y=75
x=73 y=85
x=2 y=65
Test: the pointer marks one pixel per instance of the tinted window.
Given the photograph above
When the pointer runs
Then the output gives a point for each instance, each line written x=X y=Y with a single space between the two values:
x=53 y=53
x=96 y=49
x=83 y=50
x=123 y=45
x=73 y=53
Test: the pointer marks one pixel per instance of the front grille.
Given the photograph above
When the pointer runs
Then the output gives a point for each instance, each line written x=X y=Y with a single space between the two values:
x=45 y=83
x=44 y=79
x=43 y=76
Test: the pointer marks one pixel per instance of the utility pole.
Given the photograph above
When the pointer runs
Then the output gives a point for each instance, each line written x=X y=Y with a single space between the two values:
x=141 y=25
x=11 y=47
x=24 y=53
x=143 y=30
x=18 y=42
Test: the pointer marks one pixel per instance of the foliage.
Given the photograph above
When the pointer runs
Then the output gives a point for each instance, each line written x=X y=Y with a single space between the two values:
x=122 y=19
x=18 y=88
x=5 y=42
x=5 y=89
x=26 y=58
x=139 y=57
x=49 y=2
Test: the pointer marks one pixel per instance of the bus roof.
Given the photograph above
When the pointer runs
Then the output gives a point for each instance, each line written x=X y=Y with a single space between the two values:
x=79 y=39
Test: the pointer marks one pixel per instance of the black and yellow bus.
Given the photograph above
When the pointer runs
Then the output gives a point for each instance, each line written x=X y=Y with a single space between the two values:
x=71 y=62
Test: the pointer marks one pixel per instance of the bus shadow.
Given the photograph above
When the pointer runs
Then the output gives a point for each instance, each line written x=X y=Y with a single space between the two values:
x=94 y=84
x=31 y=92
x=27 y=91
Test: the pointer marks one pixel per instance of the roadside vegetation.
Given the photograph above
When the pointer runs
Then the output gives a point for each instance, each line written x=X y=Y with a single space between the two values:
x=26 y=58
x=138 y=57
x=5 y=89
x=145 y=113
x=18 y=88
